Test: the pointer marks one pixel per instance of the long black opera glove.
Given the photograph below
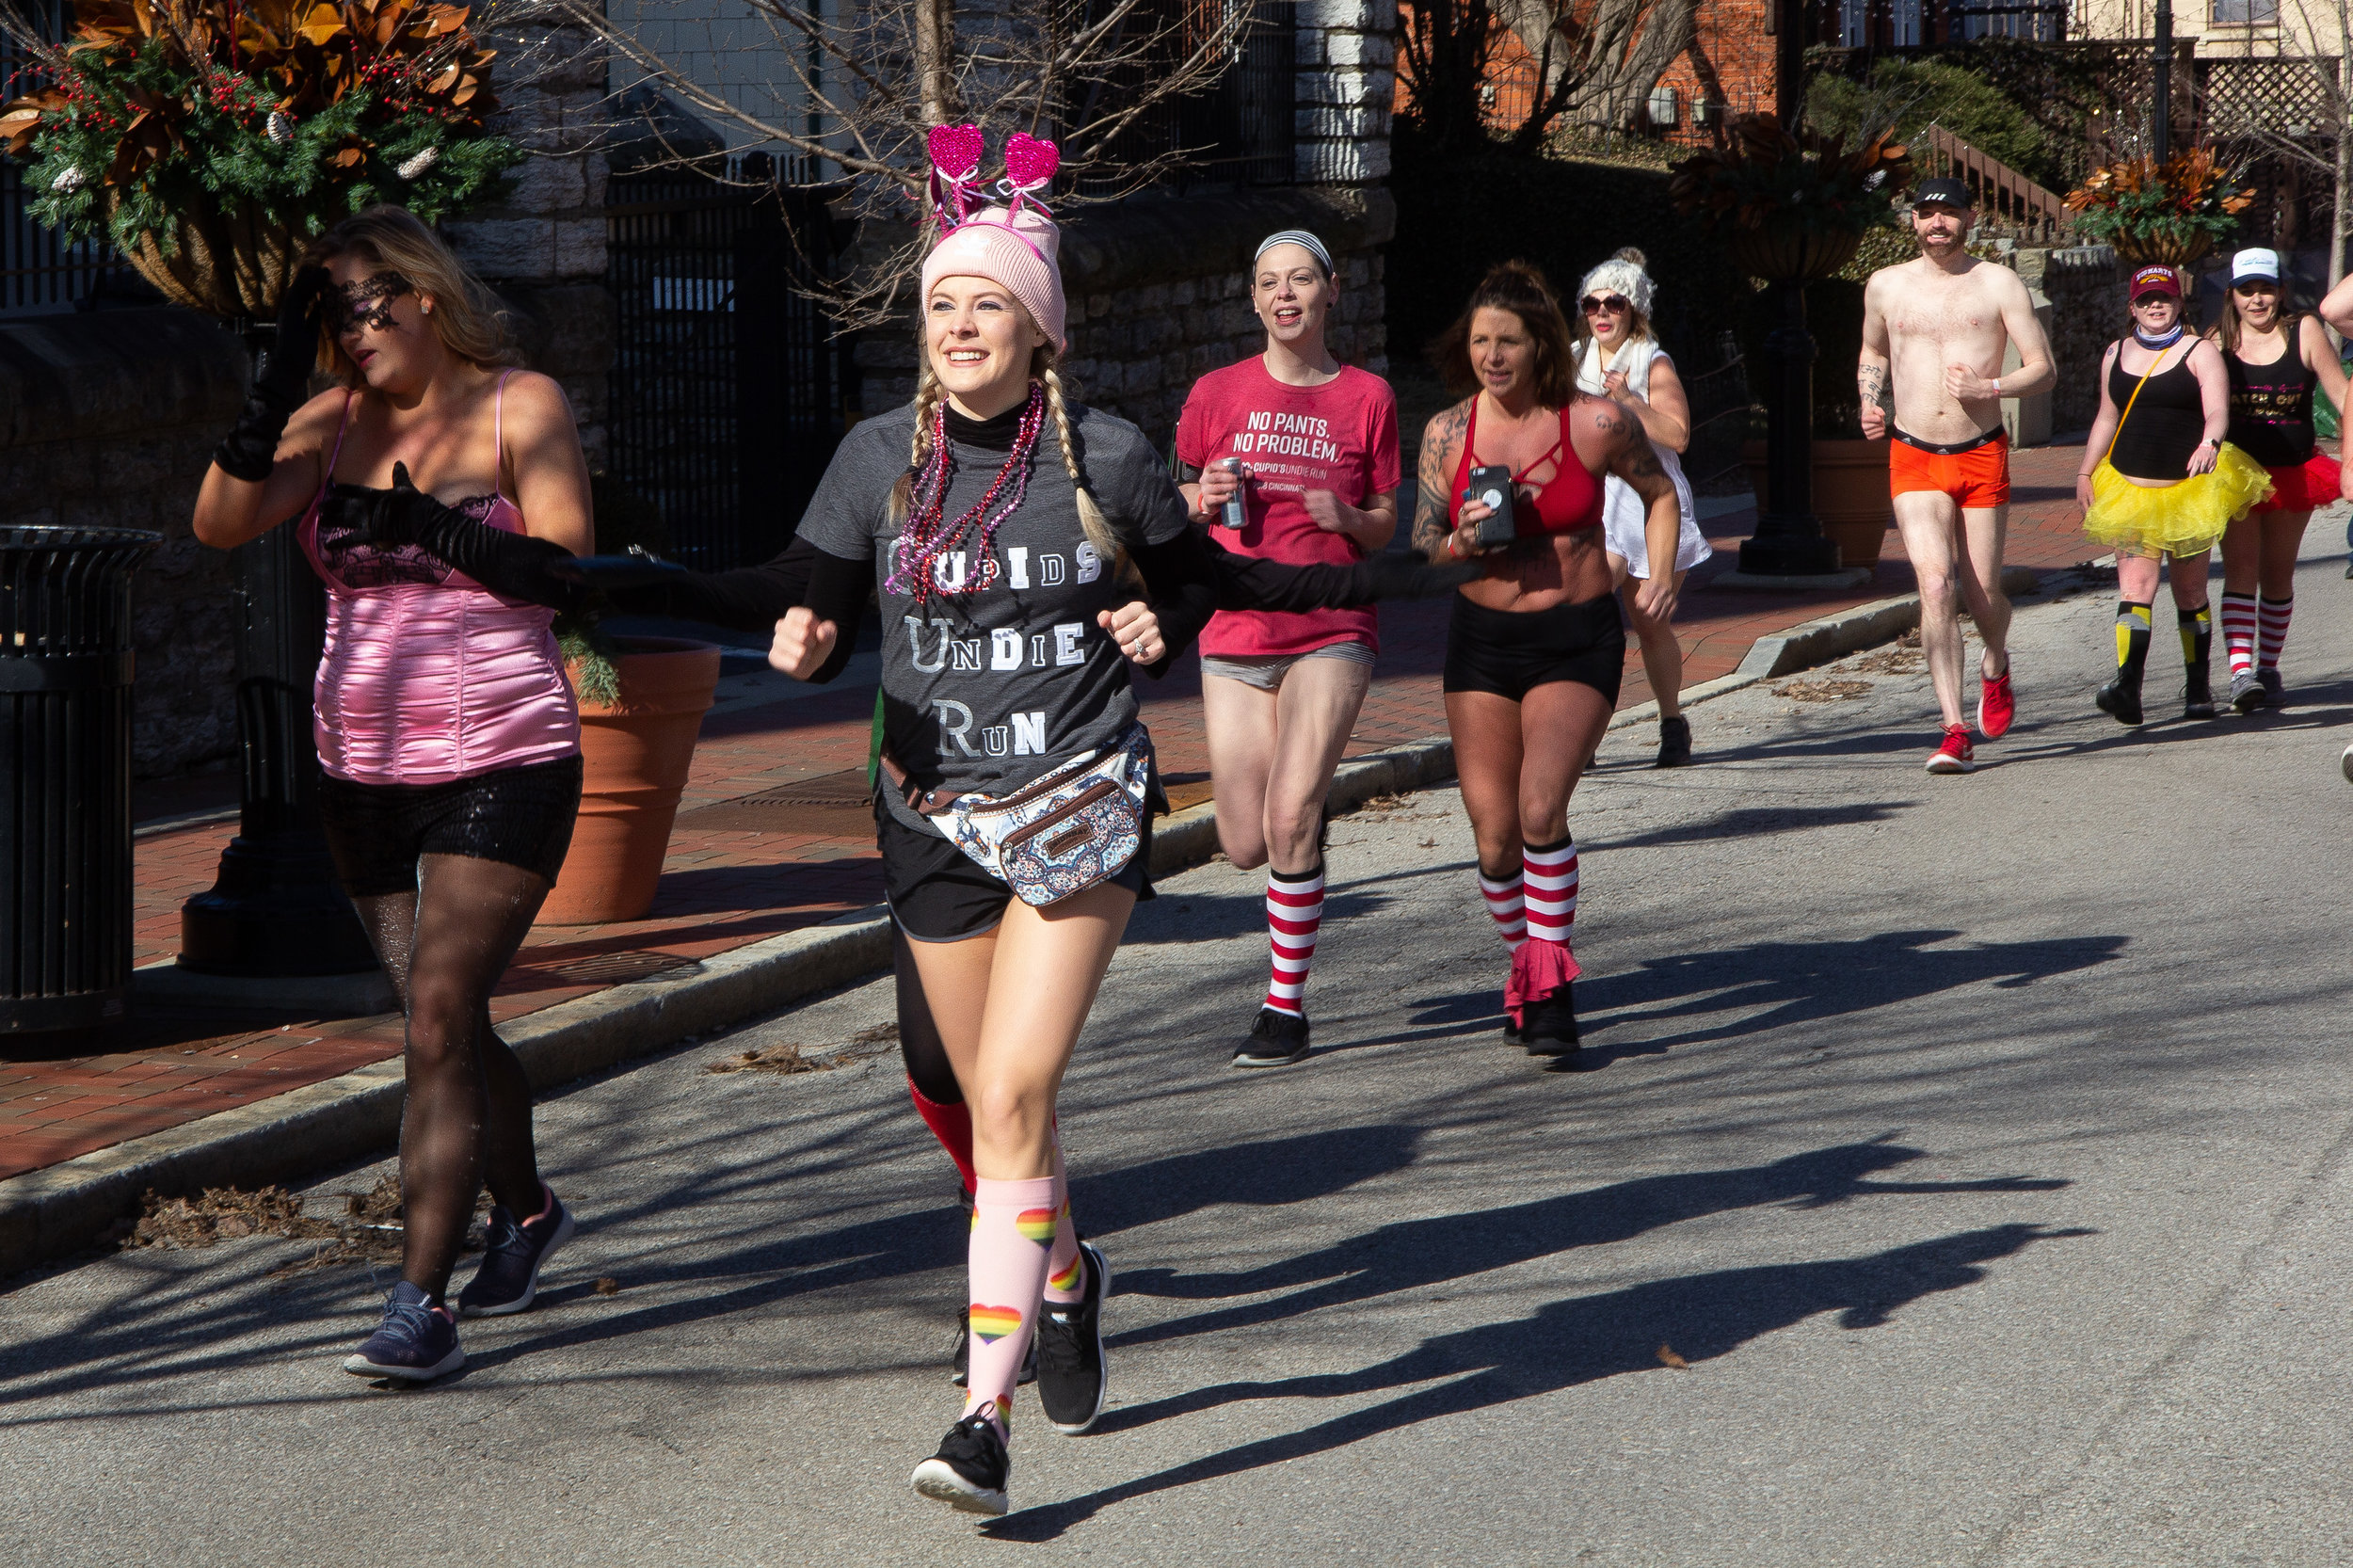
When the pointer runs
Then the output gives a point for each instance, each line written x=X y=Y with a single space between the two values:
x=748 y=599
x=514 y=564
x=1193 y=576
x=249 y=451
x=839 y=587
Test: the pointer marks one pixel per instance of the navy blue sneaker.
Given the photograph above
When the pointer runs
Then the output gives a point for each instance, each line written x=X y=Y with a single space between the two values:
x=416 y=1343
x=509 y=1275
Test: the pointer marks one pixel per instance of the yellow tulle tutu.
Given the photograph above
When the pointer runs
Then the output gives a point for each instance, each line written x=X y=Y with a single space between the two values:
x=2174 y=519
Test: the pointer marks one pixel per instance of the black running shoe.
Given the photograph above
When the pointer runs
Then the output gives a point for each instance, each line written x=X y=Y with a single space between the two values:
x=1548 y=1028
x=964 y=1352
x=416 y=1343
x=1674 y=742
x=2197 y=700
x=509 y=1275
x=2274 y=688
x=1072 y=1379
x=971 y=1469
x=1513 y=1034
x=1276 y=1040
x=2117 y=703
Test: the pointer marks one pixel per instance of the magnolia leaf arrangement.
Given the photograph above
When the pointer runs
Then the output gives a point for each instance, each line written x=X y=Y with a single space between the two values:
x=159 y=121
x=2173 y=212
x=1765 y=177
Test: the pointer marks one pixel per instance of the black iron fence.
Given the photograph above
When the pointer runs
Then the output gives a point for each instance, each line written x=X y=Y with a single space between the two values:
x=1242 y=130
x=727 y=394
x=39 y=271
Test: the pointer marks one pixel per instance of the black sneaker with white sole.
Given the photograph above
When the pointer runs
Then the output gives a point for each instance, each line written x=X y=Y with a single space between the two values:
x=1275 y=1040
x=1548 y=1025
x=964 y=1353
x=416 y=1342
x=971 y=1468
x=509 y=1276
x=1072 y=1378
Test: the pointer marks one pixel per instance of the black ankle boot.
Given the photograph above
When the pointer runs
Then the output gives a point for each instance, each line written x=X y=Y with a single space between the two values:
x=2119 y=700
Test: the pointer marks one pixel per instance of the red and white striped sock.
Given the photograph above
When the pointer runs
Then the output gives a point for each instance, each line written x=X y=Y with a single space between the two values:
x=1509 y=909
x=2275 y=613
x=1294 y=909
x=2238 y=632
x=1550 y=871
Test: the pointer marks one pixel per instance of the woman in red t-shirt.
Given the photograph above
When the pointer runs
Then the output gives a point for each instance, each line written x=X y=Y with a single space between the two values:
x=1300 y=452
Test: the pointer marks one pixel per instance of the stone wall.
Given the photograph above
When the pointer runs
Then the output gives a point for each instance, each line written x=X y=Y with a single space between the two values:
x=1160 y=295
x=107 y=419
x=1344 y=53
x=2084 y=285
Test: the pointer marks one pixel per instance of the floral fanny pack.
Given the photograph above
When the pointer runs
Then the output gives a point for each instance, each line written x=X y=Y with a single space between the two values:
x=1064 y=833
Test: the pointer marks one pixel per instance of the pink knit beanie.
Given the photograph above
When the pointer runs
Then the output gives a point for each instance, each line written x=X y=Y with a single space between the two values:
x=1014 y=247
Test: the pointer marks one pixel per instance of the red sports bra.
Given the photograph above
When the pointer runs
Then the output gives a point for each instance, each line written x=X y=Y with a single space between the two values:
x=1569 y=501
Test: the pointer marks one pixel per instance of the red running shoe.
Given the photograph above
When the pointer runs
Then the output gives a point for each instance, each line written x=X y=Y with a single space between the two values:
x=1996 y=706
x=1956 y=755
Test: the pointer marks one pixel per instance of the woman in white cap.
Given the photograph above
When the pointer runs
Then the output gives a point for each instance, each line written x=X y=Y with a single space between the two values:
x=2275 y=358
x=1617 y=357
x=1290 y=456
x=2166 y=483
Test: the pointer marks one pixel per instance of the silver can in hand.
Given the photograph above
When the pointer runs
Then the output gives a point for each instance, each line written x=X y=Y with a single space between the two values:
x=1236 y=512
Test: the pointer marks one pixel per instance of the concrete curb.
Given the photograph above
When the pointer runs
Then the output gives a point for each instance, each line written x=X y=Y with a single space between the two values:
x=51 y=1212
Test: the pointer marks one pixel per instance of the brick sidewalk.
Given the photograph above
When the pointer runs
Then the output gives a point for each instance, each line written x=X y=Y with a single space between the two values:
x=727 y=884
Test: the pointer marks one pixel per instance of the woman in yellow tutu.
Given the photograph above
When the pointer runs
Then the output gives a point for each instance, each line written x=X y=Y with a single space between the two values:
x=2166 y=484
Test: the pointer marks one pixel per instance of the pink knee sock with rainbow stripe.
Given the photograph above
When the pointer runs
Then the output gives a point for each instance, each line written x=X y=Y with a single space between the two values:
x=1066 y=1280
x=1013 y=1223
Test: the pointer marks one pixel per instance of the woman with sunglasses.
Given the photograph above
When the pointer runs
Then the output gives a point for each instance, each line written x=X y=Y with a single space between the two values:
x=1535 y=651
x=2275 y=358
x=441 y=494
x=1617 y=358
x=2166 y=483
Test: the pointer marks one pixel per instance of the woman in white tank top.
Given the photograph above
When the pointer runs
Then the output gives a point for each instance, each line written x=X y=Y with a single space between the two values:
x=1617 y=358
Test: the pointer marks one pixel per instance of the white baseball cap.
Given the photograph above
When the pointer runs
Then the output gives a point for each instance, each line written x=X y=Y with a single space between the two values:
x=2251 y=265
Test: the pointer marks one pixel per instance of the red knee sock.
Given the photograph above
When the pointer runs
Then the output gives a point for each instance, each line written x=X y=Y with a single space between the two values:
x=1294 y=912
x=953 y=1125
x=1543 y=964
x=2274 y=618
x=1507 y=903
x=2238 y=632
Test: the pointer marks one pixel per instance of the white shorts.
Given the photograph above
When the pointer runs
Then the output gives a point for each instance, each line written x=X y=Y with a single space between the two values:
x=1622 y=522
x=1266 y=671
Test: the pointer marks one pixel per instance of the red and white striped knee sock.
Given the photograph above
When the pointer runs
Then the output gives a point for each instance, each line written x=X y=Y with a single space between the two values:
x=2274 y=618
x=2238 y=632
x=1294 y=909
x=1504 y=901
x=1550 y=872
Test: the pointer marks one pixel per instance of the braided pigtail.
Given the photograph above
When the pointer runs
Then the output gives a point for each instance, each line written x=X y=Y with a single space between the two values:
x=1091 y=519
x=927 y=396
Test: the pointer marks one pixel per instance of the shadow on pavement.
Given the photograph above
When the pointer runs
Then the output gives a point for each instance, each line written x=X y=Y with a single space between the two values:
x=1563 y=1345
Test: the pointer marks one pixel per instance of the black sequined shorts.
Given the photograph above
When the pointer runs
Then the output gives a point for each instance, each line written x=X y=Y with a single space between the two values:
x=517 y=816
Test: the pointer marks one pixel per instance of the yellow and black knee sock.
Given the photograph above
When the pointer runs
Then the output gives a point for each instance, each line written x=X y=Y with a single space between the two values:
x=2197 y=627
x=2131 y=642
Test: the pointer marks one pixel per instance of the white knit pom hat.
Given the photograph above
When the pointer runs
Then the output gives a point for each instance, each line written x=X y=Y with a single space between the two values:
x=1622 y=275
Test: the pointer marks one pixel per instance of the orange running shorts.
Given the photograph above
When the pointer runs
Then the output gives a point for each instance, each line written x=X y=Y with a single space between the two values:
x=1977 y=476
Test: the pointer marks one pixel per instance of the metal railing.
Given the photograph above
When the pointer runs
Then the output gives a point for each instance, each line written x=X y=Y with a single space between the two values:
x=727 y=389
x=2007 y=201
x=1242 y=131
x=40 y=272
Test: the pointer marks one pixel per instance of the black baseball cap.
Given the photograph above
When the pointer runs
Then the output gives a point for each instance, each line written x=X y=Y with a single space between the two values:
x=1943 y=189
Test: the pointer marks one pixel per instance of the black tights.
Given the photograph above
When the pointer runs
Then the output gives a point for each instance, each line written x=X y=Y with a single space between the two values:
x=919 y=1046
x=468 y=1117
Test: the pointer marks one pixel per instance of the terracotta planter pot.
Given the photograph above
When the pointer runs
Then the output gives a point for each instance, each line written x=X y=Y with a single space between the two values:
x=1850 y=494
x=634 y=756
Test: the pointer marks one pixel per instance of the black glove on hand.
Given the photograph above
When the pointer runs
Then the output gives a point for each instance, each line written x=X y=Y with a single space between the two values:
x=514 y=564
x=282 y=378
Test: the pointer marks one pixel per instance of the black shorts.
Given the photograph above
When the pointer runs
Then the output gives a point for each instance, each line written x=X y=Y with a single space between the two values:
x=1510 y=652
x=517 y=816
x=939 y=893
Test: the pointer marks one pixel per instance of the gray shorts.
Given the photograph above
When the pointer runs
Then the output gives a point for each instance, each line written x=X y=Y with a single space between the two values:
x=1266 y=671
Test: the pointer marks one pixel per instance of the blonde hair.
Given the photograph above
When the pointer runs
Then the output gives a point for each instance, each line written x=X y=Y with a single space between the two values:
x=1046 y=366
x=466 y=316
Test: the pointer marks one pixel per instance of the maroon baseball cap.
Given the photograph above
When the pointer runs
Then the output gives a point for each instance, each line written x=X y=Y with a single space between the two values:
x=2156 y=280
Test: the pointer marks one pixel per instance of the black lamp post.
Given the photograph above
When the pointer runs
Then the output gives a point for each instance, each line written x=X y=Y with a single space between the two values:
x=275 y=910
x=2161 y=88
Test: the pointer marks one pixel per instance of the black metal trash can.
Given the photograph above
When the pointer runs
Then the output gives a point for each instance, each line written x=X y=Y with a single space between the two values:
x=65 y=744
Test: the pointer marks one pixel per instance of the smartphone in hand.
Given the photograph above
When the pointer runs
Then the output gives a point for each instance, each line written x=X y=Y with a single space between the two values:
x=1493 y=484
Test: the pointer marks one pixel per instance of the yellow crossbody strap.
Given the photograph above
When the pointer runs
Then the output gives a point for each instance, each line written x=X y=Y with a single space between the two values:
x=2136 y=398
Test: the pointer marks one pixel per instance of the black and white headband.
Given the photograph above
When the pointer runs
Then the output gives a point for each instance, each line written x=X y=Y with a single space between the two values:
x=1300 y=238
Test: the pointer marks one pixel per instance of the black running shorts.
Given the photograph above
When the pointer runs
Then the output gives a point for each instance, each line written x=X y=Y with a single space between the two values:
x=517 y=816
x=939 y=893
x=1510 y=652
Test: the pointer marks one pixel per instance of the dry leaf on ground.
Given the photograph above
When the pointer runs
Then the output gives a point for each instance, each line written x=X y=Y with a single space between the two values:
x=1667 y=1357
x=607 y=1285
x=1822 y=690
x=772 y=1058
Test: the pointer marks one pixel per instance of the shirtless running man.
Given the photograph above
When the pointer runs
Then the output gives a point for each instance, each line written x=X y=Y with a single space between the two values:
x=1934 y=333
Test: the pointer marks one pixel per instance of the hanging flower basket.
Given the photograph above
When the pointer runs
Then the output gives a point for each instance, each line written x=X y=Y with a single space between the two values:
x=2173 y=213
x=1791 y=210
x=211 y=140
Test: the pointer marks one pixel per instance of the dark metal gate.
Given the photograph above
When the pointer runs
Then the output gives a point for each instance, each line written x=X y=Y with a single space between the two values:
x=726 y=396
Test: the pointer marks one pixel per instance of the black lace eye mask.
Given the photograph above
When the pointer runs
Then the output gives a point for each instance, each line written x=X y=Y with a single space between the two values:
x=368 y=303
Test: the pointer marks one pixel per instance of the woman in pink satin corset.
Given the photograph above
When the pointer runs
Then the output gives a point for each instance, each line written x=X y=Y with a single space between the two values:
x=441 y=493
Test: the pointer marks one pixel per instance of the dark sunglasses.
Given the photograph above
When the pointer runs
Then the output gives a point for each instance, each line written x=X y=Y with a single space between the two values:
x=1593 y=304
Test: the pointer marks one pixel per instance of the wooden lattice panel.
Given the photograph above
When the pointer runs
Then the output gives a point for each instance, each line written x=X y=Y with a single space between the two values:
x=2277 y=95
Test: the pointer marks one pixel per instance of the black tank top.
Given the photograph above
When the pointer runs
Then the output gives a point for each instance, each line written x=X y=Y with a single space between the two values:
x=2271 y=406
x=2167 y=421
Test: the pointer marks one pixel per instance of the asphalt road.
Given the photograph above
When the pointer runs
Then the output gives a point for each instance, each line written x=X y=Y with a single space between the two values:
x=1977 y=1146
